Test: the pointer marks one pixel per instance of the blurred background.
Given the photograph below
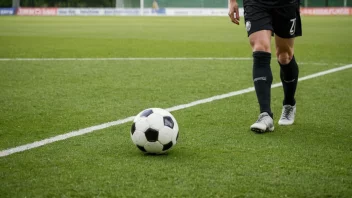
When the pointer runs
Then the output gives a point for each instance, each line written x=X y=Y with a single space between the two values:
x=149 y=3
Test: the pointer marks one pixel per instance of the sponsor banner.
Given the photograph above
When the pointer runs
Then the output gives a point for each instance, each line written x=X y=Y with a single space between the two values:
x=80 y=12
x=104 y=12
x=146 y=12
x=66 y=12
x=37 y=11
x=326 y=11
x=199 y=11
x=124 y=11
x=7 y=11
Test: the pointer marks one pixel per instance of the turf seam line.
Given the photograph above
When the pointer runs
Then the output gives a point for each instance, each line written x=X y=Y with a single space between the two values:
x=79 y=132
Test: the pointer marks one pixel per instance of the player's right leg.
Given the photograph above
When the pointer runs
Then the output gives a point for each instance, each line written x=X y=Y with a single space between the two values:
x=258 y=24
x=262 y=78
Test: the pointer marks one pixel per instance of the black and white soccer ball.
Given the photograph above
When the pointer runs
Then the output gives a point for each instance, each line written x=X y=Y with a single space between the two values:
x=154 y=131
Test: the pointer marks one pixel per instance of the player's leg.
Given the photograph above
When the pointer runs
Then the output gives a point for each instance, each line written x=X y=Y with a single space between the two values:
x=258 y=24
x=262 y=78
x=287 y=25
x=289 y=77
x=262 y=75
x=288 y=68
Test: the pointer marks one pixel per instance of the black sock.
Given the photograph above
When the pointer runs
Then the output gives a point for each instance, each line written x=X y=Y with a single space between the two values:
x=289 y=79
x=262 y=78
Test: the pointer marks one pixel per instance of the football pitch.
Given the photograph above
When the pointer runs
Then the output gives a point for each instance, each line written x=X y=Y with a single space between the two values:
x=69 y=75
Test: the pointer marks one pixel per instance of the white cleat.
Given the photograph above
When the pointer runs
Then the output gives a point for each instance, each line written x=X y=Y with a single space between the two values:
x=287 y=115
x=264 y=123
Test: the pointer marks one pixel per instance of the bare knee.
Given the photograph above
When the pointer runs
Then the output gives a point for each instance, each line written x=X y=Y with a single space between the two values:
x=260 y=45
x=284 y=58
x=284 y=50
x=260 y=41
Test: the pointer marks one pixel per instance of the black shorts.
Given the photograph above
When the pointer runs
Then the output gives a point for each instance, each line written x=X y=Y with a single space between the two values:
x=283 y=21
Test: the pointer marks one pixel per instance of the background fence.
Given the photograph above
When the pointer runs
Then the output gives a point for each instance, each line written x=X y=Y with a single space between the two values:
x=148 y=3
x=144 y=7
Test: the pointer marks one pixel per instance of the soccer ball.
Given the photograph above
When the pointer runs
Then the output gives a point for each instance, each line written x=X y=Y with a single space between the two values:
x=154 y=131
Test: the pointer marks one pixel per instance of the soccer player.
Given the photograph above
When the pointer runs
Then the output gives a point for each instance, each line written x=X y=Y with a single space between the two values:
x=155 y=6
x=263 y=19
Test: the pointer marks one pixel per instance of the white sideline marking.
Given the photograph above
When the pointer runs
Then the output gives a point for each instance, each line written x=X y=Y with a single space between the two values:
x=125 y=59
x=149 y=59
x=175 y=108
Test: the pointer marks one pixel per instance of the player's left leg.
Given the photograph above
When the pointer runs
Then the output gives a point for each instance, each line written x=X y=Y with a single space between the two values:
x=289 y=77
x=287 y=26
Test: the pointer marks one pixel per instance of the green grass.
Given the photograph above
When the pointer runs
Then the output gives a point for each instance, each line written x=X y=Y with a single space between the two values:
x=216 y=156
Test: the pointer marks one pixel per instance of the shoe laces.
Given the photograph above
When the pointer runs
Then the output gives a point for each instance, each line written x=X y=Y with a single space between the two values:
x=287 y=112
x=261 y=117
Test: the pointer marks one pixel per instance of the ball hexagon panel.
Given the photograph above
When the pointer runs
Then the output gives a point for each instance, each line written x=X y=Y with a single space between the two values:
x=142 y=125
x=139 y=138
x=164 y=113
x=151 y=135
x=153 y=147
x=160 y=111
x=155 y=121
x=165 y=135
x=136 y=119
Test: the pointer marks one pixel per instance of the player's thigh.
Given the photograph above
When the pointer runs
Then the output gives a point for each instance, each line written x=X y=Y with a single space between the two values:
x=258 y=22
x=260 y=40
x=284 y=49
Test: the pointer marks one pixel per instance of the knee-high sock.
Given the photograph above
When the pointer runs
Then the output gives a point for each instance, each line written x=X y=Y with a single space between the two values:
x=262 y=78
x=289 y=78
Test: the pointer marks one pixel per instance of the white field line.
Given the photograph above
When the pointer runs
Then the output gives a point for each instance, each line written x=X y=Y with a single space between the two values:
x=126 y=59
x=128 y=119
x=151 y=59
